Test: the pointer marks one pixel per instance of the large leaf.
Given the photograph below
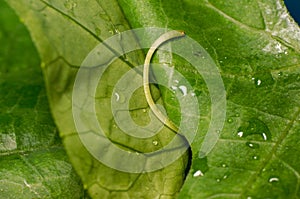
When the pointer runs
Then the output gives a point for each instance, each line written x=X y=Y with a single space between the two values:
x=257 y=50
x=33 y=163
x=256 y=46
x=65 y=33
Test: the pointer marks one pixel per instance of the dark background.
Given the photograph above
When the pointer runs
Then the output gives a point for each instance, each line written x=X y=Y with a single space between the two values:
x=294 y=8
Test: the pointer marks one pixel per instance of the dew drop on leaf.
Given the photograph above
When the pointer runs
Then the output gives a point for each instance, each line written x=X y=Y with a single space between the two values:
x=252 y=145
x=119 y=97
x=155 y=142
x=273 y=179
x=198 y=173
x=224 y=165
x=183 y=89
x=255 y=157
x=264 y=79
x=230 y=120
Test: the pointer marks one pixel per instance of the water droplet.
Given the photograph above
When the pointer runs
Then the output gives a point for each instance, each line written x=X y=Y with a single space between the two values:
x=117 y=96
x=255 y=127
x=218 y=180
x=249 y=197
x=117 y=31
x=219 y=39
x=224 y=165
x=230 y=120
x=264 y=79
x=252 y=145
x=255 y=157
x=240 y=133
x=155 y=142
x=183 y=89
x=144 y=110
x=225 y=176
x=280 y=73
x=257 y=82
x=198 y=173
x=237 y=115
x=273 y=179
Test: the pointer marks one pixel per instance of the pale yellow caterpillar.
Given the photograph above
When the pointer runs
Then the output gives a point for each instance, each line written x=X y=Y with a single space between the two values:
x=163 y=38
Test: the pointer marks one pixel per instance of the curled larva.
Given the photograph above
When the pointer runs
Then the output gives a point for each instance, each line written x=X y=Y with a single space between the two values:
x=163 y=38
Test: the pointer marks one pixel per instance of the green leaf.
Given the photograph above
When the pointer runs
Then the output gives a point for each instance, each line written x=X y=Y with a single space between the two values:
x=64 y=33
x=257 y=50
x=33 y=163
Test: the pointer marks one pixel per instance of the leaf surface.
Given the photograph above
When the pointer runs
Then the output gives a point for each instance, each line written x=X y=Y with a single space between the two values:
x=33 y=162
x=256 y=47
x=257 y=50
x=64 y=33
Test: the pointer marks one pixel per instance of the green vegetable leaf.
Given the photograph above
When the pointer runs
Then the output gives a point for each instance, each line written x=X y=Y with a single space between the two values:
x=33 y=163
x=256 y=48
x=64 y=33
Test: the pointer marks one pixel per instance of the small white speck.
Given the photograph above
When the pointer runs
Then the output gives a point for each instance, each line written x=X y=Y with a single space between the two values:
x=183 y=90
x=264 y=136
x=240 y=134
x=198 y=173
x=258 y=82
x=117 y=97
x=176 y=81
x=193 y=94
x=273 y=180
